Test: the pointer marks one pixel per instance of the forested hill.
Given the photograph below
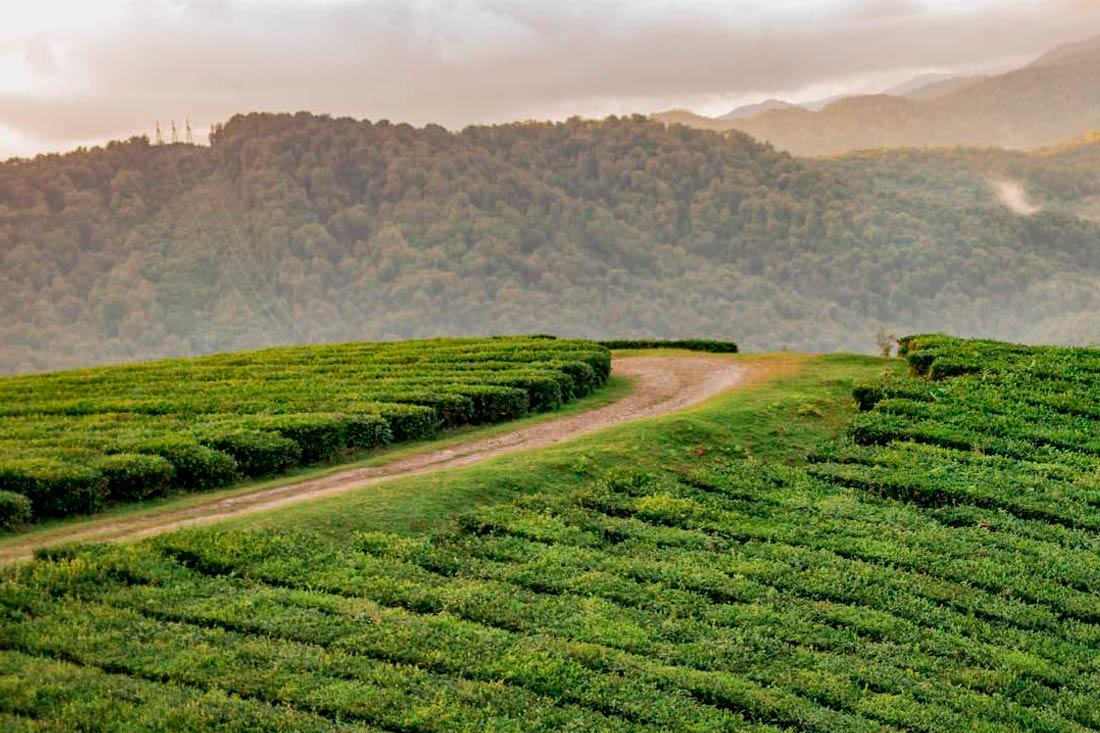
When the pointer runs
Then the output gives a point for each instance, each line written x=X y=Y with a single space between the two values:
x=302 y=228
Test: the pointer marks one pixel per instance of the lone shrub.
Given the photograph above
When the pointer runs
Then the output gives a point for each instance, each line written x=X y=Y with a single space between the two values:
x=885 y=341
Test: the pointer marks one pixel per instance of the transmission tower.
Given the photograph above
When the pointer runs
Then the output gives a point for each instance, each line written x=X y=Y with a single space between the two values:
x=160 y=134
x=175 y=133
x=189 y=139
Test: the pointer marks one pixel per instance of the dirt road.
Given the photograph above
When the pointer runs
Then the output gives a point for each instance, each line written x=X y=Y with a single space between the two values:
x=662 y=384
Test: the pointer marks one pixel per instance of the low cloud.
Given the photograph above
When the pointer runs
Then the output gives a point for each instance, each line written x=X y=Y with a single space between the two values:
x=470 y=61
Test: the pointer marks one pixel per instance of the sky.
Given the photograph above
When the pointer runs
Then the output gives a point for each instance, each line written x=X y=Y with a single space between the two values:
x=81 y=73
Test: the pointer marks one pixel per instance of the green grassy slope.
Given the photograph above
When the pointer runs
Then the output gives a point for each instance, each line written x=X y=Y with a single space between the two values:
x=929 y=567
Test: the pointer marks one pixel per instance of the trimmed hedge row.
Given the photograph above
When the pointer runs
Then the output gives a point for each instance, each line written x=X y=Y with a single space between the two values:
x=54 y=489
x=72 y=442
x=15 y=510
x=410 y=422
x=491 y=403
x=709 y=345
x=134 y=476
x=257 y=452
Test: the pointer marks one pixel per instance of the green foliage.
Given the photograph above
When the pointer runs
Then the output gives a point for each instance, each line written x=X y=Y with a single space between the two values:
x=196 y=467
x=134 y=476
x=942 y=577
x=198 y=424
x=83 y=697
x=621 y=227
x=15 y=510
x=409 y=422
x=55 y=488
x=361 y=431
x=318 y=436
x=544 y=392
x=716 y=347
x=495 y=404
x=257 y=453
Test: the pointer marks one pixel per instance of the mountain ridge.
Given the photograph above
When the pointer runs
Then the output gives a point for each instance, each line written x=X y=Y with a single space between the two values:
x=1051 y=99
x=299 y=228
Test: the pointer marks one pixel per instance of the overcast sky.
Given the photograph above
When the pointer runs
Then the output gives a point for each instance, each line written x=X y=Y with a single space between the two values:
x=75 y=73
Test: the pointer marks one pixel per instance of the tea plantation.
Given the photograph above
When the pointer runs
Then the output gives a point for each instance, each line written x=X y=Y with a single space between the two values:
x=933 y=564
x=73 y=442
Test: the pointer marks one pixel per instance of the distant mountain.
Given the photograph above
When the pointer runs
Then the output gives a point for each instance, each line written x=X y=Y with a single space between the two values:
x=820 y=104
x=297 y=228
x=751 y=110
x=932 y=85
x=1055 y=98
x=1066 y=53
x=691 y=119
x=941 y=88
x=900 y=90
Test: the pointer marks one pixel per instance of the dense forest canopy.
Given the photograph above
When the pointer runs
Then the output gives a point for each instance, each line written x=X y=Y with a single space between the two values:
x=300 y=228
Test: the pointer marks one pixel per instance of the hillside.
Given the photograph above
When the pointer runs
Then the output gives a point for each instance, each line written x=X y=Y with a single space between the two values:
x=751 y=110
x=293 y=229
x=771 y=561
x=931 y=85
x=76 y=442
x=1050 y=100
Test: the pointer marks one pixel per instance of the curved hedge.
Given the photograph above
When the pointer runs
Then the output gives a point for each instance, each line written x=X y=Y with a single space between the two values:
x=410 y=422
x=197 y=467
x=493 y=403
x=55 y=489
x=15 y=510
x=366 y=431
x=257 y=452
x=133 y=476
x=72 y=441
x=318 y=436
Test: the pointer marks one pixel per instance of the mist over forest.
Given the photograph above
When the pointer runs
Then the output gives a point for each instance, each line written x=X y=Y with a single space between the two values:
x=305 y=228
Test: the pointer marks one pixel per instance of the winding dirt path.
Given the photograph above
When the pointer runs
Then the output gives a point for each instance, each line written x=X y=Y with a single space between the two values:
x=662 y=384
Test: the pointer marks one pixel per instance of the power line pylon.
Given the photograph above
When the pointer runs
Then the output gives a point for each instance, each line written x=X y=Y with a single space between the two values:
x=189 y=138
x=159 y=134
x=175 y=133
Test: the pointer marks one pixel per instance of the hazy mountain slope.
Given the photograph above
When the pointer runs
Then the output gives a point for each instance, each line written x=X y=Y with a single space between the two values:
x=936 y=89
x=1055 y=98
x=922 y=81
x=1067 y=52
x=695 y=121
x=301 y=228
x=752 y=110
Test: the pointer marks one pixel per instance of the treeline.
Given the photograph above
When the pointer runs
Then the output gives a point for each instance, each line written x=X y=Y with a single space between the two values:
x=708 y=345
x=298 y=228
